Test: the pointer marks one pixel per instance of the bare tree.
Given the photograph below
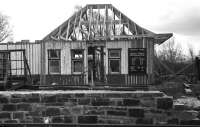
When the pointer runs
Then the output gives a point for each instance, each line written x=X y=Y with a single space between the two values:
x=191 y=53
x=171 y=52
x=5 y=31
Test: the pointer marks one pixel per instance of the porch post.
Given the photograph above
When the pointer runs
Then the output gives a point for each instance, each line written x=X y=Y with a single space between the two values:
x=86 y=64
x=102 y=64
x=43 y=64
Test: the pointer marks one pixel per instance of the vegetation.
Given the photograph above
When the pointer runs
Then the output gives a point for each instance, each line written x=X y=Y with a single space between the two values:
x=5 y=30
x=173 y=69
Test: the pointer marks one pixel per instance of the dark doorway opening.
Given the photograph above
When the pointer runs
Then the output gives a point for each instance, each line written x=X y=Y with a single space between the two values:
x=96 y=65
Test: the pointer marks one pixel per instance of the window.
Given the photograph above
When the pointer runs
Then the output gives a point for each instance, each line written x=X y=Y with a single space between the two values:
x=54 y=61
x=114 y=61
x=77 y=60
x=137 y=60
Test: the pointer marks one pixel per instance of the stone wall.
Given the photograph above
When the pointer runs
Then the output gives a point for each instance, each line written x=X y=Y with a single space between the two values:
x=90 y=107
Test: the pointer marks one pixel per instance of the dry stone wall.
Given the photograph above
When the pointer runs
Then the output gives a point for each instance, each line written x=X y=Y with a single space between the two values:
x=89 y=107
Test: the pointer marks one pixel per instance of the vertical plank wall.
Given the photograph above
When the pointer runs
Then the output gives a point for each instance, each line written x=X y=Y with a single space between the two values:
x=32 y=52
x=65 y=77
x=124 y=77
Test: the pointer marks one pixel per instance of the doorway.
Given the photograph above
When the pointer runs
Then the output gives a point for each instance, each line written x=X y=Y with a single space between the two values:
x=96 y=65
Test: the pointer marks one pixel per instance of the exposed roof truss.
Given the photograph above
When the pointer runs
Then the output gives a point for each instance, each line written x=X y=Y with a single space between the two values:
x=99 y=22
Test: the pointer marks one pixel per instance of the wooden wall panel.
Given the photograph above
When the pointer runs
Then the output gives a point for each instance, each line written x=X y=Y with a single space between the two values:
x=65 y=48
x=123 y=45
x=32 y=52
x=137 y=43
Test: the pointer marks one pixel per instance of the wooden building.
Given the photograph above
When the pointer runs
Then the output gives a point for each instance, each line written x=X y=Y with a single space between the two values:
x=97 y=46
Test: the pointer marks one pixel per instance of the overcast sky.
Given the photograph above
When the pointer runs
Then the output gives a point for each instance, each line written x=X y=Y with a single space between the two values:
x=34 y=19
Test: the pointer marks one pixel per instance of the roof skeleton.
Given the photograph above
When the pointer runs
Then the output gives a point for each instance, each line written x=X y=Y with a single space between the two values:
x=101 y=22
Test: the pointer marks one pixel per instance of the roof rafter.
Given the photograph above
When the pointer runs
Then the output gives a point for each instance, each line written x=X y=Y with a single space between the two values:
x=101 y=21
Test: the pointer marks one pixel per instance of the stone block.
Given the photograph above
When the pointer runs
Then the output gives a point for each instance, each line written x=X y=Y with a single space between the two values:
x=87 y=119
x=24 y=107
x=79 y=95
x=55 y=104
x=64 y=97
x=116 y=95
x=38 y=120
x=179 y=107
x=117 y=113
x=143 y=121
x=164 y=103
x=5 y=115
x=49 y=98
x=68 y=119
x=52 y=112
x=195 y=122
x=11 y=121
x=190 y=122
x=9 y=107
x=73 y=100
x=35 y=113
x=131 y=102
x=84 y=101
x=4 y=99
x=57 y=119
x=16 y=100
x=61 y=99
x=95 y=95
x=77 y=110
x=26 y=121
x=136 y=112
x=174 y=121
x=14 y=95
x=93 y=112
x=185 y=122
x=66 y=111
x=32 y=98
x=100 y=102
x=187 y=115
x=113 y=121
x=147 y=102
x=18 y=115
x=67 y=96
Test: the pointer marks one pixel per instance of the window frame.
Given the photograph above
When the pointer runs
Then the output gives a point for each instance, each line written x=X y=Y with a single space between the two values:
x=54 y=59
x=77 y=60
x=114 y=58
x=144 y=62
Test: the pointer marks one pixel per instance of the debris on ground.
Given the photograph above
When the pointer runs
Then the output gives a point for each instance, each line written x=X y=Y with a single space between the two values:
x=189 y=102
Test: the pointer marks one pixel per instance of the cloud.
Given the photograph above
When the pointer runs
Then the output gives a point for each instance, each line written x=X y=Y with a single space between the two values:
x=183 y=21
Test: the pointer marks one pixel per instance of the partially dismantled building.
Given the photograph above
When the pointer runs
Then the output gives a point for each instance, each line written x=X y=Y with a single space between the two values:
x=96 y=46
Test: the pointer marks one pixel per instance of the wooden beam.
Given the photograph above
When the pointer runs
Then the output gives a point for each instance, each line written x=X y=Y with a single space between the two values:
x=89 y=24
x=114 y=20
x=98 y=18
x=62 y=38
x=107 y=25
x=125 y=36
x=104 y=22
x=100 y=6
x=79 y=24
x=68 y=26
x=63 y=25
x=54 y=38
x=74 y=32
